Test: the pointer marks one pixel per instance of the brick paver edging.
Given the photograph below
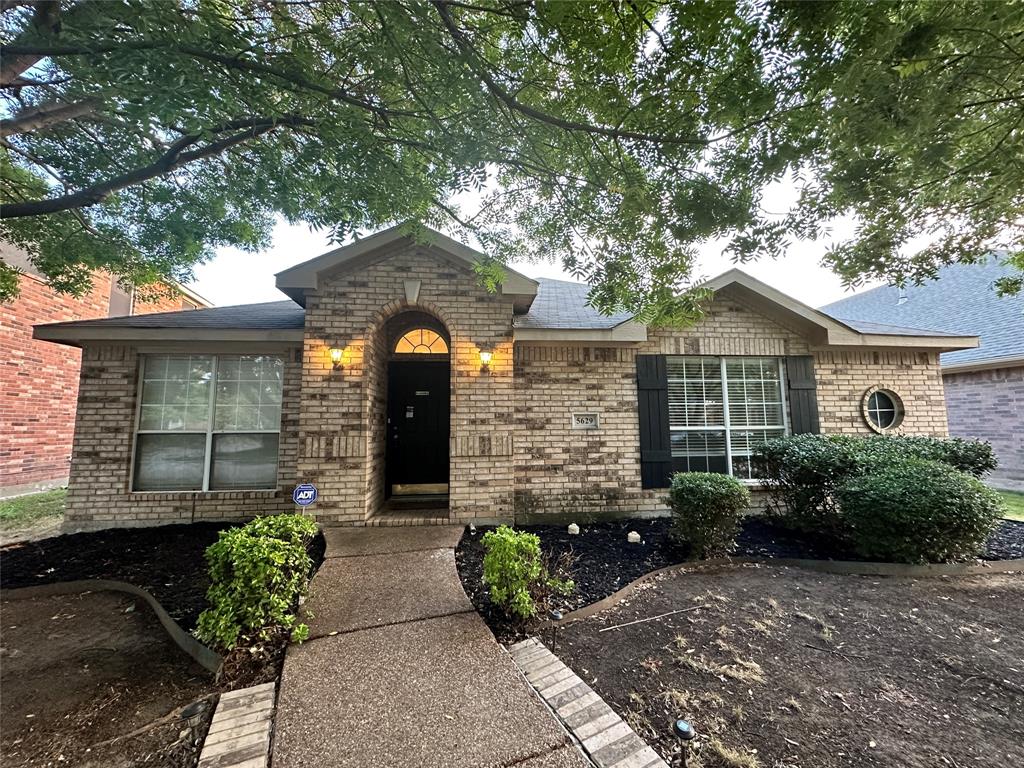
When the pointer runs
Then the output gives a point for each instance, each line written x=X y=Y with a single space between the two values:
x=605 y=737
x=239 y=735
x=838 y=567
x=206 y=657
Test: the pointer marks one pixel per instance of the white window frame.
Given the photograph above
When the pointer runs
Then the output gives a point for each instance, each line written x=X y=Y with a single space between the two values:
x=209 y=432
x=726 y=425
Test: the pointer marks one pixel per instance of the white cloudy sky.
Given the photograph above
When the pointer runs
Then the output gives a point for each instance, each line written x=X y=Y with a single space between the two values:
x=234 y=277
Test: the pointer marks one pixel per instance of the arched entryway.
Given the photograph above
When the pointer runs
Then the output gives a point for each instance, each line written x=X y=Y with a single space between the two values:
x=418 y=408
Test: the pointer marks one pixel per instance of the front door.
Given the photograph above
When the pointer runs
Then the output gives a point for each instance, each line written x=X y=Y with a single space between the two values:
x=419 y=397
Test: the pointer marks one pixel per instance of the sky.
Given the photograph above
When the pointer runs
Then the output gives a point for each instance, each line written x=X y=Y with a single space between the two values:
x=236 y=277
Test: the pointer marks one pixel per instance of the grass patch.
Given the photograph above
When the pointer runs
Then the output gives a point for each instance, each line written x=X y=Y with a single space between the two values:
x=22 y=511
x=1014 y=501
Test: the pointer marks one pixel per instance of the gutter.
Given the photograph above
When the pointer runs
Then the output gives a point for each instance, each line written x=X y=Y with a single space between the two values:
x=1008 y=361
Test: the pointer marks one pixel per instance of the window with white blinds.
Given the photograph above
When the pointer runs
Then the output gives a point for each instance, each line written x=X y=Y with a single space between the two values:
x=208 y=422
x=721 y=408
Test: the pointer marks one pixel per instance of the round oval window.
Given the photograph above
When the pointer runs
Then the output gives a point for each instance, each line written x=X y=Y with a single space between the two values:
x=883 y=410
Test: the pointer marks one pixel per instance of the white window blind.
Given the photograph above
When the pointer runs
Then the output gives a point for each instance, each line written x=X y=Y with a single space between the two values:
x=721 y=408
x=208 y=422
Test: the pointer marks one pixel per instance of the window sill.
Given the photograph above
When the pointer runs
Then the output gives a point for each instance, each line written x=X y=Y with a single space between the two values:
x=204 y=493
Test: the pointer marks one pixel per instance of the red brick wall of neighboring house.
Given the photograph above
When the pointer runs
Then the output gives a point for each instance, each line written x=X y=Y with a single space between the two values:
x=989 y=405
x=39 y=380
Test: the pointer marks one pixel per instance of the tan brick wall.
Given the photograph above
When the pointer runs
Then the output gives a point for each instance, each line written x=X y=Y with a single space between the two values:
x=99 y=492
x=342 y=419
x=588 y=474
x=512 y=447
x=844 y=375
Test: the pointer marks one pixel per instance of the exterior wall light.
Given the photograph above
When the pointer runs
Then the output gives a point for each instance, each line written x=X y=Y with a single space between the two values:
x=336 y=355
x=485 y=360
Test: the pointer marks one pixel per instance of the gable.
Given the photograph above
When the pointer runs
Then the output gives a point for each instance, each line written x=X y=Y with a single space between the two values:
x=297 y=280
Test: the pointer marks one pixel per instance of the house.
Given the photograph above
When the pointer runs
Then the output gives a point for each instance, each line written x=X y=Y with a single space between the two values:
x=39 y=381
x=985 y=385
x=404 y=391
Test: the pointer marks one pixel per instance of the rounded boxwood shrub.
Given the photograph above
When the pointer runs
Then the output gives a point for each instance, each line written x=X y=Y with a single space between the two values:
x=258 y=572
x=804 y=472
x=706 y=509
x=912 y=510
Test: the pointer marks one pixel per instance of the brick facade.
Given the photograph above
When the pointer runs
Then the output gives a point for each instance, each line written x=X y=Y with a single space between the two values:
x=582 y=474
x=39 y=385
x=512 y=452
x=39 y=380
x=981 y=405
x=99 y=488
x=342 y=414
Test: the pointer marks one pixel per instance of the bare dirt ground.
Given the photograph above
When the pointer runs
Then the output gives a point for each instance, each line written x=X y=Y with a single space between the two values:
x=31 y=531
x=81 y=673
x=779 y=667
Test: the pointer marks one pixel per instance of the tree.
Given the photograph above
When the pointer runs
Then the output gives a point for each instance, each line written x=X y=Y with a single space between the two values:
x=612 y=136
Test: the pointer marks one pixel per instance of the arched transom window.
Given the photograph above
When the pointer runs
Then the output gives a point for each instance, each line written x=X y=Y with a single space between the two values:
x=422 y=341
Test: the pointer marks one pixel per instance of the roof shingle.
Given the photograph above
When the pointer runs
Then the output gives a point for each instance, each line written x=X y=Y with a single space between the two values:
x=562 y=304
x=961 y=300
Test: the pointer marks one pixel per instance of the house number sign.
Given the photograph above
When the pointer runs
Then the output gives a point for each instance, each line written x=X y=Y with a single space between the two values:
x=585 y=421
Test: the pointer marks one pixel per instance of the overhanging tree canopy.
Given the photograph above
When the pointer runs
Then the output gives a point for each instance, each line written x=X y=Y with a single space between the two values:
x=612 y=136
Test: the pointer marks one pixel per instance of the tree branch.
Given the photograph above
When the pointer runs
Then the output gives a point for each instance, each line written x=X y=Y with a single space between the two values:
x=174 y=157
x=45 y=20
x=512 y=103
x=225 y=60
x=46 y=115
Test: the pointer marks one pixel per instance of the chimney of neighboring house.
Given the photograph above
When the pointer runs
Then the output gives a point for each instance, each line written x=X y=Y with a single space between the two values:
x=902 y=296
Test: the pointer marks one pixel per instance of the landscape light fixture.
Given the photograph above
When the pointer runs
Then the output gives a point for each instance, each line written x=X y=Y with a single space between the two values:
x=555 y=616
x=685 y=733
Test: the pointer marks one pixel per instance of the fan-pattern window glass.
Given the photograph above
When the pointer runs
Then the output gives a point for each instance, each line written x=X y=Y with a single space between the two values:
x=720 y=409
x=422 y=341
x=208 y=422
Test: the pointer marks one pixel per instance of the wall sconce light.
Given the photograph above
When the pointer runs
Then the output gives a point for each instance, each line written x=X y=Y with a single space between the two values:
x=336 y=355
x=485 y=360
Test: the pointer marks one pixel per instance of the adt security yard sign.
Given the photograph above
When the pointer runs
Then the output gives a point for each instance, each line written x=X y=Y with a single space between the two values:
x=304 y=494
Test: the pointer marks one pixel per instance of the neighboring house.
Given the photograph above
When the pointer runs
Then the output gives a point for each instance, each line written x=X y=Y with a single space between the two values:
x=39 y=382
x=984 y=386
x=391 y=380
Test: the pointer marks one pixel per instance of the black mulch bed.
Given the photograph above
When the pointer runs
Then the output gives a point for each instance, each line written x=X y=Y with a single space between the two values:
x=168 y=561
x=603 y=562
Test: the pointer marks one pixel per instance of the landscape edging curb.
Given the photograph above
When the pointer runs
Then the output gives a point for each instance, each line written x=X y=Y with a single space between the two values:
x=204 y=656
x=840 y=567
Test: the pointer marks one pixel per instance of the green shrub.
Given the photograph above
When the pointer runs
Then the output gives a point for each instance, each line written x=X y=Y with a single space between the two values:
x=804 y=472
x=258 y=573
x=516 y=573
x=706 y=509
x=912 y=510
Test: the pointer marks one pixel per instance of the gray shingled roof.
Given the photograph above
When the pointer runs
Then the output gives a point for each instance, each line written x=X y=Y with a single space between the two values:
x=961 y=301
x=275 y=315
x=889 y=330
x=561 y=304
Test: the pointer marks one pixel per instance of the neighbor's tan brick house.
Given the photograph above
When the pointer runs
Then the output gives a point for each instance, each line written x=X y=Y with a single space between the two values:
x=406 y=392
x=39 y=381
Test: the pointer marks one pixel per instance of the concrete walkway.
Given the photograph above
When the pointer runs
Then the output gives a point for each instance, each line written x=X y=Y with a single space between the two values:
x=401 y=671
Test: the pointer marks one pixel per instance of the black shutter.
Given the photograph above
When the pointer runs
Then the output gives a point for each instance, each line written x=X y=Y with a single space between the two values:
x=803 y=395
x=655 y=447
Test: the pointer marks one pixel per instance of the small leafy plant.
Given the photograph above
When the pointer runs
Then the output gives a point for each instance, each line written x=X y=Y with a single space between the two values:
x=706 y=509
x=258 y=572
x=517 y=574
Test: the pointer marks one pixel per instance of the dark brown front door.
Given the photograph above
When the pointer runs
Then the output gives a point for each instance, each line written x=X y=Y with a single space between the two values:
x=419 y=397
